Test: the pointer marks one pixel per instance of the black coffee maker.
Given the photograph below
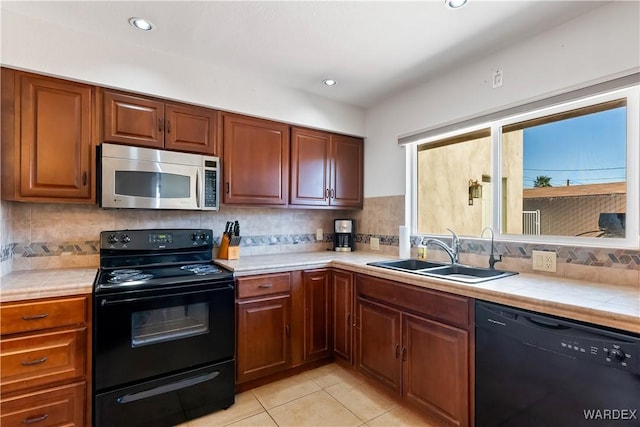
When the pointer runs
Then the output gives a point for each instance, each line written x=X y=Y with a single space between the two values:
x=343 y=235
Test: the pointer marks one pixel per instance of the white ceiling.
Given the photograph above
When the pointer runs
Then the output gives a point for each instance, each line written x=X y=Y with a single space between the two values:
x=373 y=49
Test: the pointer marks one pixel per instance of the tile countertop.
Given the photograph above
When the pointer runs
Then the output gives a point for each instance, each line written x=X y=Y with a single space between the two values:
x=599 y=303
x=593 y=302
x=32 y=284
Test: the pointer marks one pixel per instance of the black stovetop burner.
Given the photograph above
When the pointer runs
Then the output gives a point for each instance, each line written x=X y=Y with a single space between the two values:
x=132 y=259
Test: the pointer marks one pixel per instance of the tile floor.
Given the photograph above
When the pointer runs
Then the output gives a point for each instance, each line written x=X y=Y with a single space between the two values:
x=326 y=396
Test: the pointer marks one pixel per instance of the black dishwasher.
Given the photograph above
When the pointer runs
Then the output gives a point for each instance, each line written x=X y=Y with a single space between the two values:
x=534 y=370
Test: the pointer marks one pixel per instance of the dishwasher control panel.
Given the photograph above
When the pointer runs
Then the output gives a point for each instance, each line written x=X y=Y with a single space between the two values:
x=617 y=354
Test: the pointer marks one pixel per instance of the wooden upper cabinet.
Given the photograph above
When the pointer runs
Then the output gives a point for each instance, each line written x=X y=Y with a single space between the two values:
x=326 y=169
x=256 y=161
x=147 y=122
x=310 y=164
x=133 y=120
x=190 y=129
x=47 y=139
x=347 y=171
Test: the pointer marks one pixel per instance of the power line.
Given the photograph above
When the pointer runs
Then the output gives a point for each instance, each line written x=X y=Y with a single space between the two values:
x=575 y=170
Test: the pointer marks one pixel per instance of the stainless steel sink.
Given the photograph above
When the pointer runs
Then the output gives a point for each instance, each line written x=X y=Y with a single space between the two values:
x=463 y=273
x=457 y=272
x=410 y=265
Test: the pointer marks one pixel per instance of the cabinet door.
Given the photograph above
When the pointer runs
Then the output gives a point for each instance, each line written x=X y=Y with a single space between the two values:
x=133 y=120
x=347 y=160
x=318 y=316
x=191 y=129
x=256 y=161
x=56 y=139
x=342 y=290
x=435 y=368
x=379 y=341
x=263 y=337
x=309 y=167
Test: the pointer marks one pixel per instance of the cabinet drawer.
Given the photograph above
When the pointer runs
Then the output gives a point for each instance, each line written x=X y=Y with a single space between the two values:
x=33 y=316
x=58 y=406
x=42 y=359
x=263 y=285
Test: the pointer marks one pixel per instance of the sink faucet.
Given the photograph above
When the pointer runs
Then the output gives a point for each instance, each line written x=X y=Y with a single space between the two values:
x=451 y=251
x=492 y=259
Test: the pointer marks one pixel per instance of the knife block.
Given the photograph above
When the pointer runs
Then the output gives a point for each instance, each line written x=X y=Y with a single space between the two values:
x=226 y=251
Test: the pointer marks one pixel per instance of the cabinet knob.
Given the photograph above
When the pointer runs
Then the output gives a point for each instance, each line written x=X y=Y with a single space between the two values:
x=168 y=126
x=159 y=125
x=404 y=353
x=397 y=350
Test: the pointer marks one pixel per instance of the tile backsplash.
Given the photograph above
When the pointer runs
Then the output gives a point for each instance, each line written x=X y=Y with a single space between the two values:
x=37 y=236
x=63 y=236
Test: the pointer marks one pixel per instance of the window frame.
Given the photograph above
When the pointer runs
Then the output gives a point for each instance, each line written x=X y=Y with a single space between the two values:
x=632 y=235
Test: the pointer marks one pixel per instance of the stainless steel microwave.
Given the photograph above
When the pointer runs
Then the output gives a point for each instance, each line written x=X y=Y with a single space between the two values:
x=145 y=178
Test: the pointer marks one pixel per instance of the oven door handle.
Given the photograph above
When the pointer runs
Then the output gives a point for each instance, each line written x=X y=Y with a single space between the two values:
x=106 y=301
x=188 y=382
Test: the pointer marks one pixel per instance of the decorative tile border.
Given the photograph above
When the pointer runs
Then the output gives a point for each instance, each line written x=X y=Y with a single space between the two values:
x=599 y=257
x=92 y=247
x=42 y=249
x=6 y=252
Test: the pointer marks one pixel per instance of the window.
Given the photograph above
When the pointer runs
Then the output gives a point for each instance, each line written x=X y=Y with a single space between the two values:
x=567 y=174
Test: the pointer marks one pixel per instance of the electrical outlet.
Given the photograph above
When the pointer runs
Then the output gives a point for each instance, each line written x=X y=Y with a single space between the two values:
x=375 y=244
x=544 y=261
x=497 y=78
x=319 y=234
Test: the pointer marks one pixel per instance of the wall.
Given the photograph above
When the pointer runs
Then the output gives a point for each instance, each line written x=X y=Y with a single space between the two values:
x=594 y=47
x=55 y=50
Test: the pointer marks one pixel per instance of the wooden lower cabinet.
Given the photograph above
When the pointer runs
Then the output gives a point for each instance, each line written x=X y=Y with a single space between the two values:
x=45 y=354
x=417 y=355
x=343 y=314
x=379 y=343
x=263 y=337
x=317 y=318
x=435 y=373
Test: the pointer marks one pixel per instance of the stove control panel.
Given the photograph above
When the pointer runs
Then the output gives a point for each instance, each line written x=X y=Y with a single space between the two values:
x=155 y=239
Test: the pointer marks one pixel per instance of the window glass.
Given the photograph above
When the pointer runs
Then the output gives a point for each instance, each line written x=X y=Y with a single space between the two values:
x=454 y=184
x=168 y=324
x=565 y=174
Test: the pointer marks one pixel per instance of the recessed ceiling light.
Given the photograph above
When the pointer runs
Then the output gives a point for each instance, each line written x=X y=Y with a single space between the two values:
x=455 y=4
x=329 y=82
x=141 y=24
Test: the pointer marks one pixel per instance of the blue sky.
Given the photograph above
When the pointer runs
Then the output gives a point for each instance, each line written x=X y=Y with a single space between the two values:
x=588 y=149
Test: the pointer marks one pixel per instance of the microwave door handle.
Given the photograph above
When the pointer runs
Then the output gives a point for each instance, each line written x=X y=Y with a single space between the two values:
x=198 y=188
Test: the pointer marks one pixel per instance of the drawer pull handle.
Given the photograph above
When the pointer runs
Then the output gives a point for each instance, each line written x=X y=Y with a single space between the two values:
x=397 y=350
x=266 y=286
x=34 y=362
x=35 y=419
x=35 y=316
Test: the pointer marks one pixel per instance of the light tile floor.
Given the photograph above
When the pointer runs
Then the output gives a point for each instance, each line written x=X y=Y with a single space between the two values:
x=327 y=396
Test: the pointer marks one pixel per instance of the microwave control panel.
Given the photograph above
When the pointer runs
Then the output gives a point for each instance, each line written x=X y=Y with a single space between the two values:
x=210 y=189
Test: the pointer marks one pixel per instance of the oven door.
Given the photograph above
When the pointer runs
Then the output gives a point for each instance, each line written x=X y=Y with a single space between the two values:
x=143 y=334
x=127 y=183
